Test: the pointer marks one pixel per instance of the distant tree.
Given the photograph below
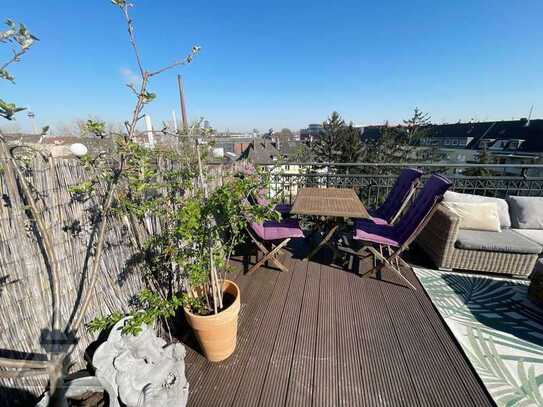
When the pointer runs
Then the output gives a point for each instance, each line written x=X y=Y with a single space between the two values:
x=392 y=146
x=325 y=148
x=417 y=126
x=350 y=146
x=302 y=153
x=268 y=134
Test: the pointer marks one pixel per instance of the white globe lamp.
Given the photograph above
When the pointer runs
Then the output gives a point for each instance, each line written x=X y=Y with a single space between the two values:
x=78 y=149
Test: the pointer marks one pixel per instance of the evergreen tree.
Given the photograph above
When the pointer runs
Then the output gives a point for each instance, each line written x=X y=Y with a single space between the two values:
x=325 y=148
x=350 y=147
x=417 y=126
x=338 y=143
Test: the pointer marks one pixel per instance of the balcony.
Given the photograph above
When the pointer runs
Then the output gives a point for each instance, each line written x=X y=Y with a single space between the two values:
x=320 y=334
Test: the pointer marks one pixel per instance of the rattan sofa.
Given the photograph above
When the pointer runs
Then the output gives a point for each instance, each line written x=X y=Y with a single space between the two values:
x=439 y=240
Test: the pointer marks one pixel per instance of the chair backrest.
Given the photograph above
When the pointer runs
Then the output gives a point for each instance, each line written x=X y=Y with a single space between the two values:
x=418 y=213
x=399 y=194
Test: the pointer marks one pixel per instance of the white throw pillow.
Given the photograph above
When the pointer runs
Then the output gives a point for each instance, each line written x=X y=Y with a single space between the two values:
x=503 y=207
x=476 y=216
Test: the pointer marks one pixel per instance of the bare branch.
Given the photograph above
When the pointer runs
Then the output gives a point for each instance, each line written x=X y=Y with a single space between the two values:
x=93 y=275
x=16 y=57
x=48 y=246
x=185 y=61
x=125 y=7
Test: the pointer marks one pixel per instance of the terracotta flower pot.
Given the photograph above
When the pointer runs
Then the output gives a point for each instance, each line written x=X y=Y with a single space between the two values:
x=217 y=333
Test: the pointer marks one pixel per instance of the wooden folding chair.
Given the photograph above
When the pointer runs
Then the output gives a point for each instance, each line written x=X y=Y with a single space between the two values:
x=397 y=238
x=277 y=234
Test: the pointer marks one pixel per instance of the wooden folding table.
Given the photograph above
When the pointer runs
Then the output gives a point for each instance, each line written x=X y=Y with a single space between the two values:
x=331 y=206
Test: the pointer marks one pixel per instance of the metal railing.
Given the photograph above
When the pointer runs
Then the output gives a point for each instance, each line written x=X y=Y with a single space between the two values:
x=373 y=181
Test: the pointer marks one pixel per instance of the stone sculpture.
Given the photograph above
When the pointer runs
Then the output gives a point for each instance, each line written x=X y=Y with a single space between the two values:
x=141 y=370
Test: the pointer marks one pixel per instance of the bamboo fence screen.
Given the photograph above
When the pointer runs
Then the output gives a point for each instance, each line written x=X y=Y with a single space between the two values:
x=25 y=295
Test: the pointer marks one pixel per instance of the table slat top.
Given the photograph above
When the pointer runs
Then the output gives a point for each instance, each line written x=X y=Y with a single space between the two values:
x=334 y=202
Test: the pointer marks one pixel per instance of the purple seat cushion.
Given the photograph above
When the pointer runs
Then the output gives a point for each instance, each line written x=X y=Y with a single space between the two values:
x=272 y=230
x=374 y=219
x=370 y=232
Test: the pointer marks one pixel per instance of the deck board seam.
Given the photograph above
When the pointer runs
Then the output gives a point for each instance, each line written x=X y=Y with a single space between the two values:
x=316 y=336
x=404 y=358
x=306 y=265
x=252 y=347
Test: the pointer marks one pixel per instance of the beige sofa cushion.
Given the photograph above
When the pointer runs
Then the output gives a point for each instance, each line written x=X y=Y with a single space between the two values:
x=476 y=216
x=503 y=207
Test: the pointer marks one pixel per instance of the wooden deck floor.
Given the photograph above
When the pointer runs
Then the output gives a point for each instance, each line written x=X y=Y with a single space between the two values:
x=322 y=336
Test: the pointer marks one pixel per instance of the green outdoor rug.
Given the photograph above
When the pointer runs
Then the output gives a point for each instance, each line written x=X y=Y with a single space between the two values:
x=499 y=329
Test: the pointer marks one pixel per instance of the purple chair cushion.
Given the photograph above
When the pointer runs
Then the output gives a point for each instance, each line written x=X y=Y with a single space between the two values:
x=281 y=208
x=433 y=190
x=397 y=195
x=272 y=230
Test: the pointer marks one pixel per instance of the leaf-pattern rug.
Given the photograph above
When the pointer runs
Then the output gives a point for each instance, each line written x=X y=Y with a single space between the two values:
x=499 y=329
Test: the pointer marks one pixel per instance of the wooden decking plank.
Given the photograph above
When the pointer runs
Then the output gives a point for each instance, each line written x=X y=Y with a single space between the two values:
x=300 y=389
x=277 y=378
x=254 y=374
x=457 y=359
x=350 y=391
x=333 y=338
x=226 y=375
x=434 y=378
x=325 y=386
x=383 y=377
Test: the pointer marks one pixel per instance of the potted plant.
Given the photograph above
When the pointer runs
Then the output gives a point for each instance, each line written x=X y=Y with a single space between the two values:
x=213 y=225
x=187 y=263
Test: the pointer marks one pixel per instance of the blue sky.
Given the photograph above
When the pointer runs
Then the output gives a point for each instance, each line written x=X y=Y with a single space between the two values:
x=285 y=63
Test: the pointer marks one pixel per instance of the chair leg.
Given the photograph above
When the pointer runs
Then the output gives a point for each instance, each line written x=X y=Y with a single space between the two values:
x=270 y=255
x=386 y=261
x=323 y=242
x=276 y=252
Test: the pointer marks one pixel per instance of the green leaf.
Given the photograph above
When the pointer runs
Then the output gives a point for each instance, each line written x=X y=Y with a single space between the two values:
x=4 y=74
